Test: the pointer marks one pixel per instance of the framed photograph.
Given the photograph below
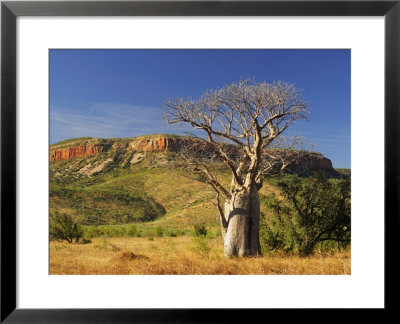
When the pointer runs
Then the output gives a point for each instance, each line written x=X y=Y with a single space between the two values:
x=155 y=153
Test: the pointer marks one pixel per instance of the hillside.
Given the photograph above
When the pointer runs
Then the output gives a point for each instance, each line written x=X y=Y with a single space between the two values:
x=130 y=180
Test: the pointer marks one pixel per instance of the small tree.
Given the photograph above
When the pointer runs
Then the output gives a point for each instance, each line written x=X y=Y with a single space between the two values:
x=315 y=210
x=63 y=228
x=200 y=230
x=239 y=122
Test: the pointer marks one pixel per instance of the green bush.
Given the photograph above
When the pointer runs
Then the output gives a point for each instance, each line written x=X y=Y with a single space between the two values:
x=63 y=228
x=200 y=230
x=314 y=212
x=92 y=231
x=130 y=230
x=171 y=234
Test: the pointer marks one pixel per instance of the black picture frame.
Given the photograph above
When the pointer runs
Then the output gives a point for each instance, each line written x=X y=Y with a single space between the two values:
x=10 y=10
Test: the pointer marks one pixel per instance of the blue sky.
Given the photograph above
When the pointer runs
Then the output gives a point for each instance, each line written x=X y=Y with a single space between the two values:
x=119 y=93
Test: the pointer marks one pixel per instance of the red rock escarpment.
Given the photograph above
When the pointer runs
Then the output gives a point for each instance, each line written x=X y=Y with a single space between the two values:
x=147 y=145
x=157 y=144
x=70 y=152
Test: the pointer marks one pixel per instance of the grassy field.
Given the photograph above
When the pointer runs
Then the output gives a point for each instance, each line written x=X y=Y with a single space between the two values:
x=181 y=255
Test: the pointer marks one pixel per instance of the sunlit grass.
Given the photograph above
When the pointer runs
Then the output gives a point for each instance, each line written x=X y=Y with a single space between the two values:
x=181 y=255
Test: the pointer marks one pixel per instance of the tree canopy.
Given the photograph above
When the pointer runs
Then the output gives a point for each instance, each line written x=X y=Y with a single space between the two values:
x=247 y=114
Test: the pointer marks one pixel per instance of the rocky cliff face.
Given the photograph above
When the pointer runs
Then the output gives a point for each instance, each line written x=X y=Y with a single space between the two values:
x=309 y=163
x=163 y=143
x=315 y=162
x=71 y=152
x=157 y=144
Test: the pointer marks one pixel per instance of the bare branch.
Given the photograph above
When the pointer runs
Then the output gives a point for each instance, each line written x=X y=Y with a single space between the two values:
x=249 y=116
x=283 y=154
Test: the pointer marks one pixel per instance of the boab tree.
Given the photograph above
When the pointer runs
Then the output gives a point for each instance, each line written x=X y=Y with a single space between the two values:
x=248 y=116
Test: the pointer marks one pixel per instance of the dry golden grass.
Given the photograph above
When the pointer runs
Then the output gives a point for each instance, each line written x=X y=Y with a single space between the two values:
x=181 y=255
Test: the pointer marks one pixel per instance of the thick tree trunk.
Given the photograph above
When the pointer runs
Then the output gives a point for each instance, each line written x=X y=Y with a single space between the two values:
x=242 y=214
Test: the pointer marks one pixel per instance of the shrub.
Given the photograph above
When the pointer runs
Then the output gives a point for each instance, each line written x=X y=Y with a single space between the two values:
x=200 y=230
x=92 y=231
x=315 y=211
x=63 y=228
x=171 y=234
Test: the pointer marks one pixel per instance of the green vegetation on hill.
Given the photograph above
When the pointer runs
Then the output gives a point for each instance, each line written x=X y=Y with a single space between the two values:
x=76 y=139
x=105 y=204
